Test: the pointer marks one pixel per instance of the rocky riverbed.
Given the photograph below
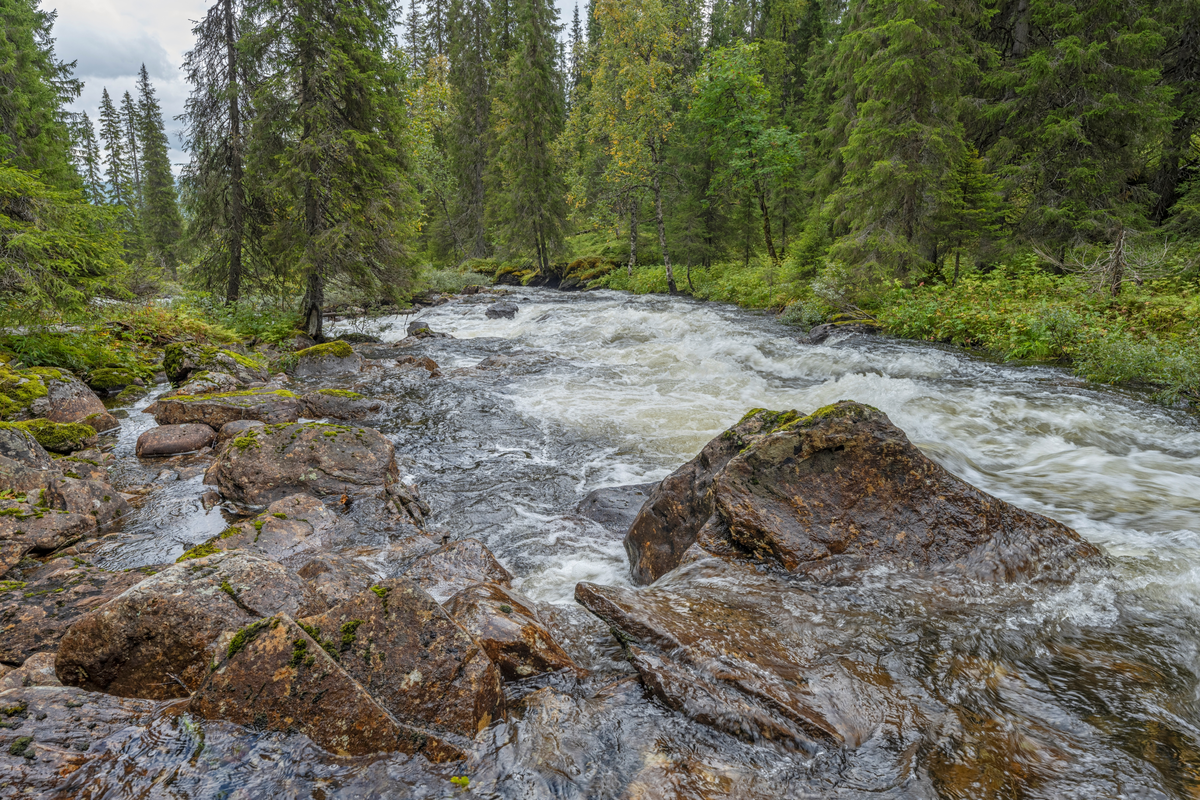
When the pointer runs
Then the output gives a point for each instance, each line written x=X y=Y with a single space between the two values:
x=605 y=547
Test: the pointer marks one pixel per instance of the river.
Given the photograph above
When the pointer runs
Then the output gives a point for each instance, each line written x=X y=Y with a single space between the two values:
x=1088 y=690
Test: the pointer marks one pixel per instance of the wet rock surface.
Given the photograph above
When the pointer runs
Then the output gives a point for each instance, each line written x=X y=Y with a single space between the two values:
x=414 y=660
x=271 y=406
x=291 y=526
x=170 y=440
x=506 y=626
x=334 y=358
x=276 y=678
x=452 y=568
x=615 y=507
x=339 y=404
x=157 y=639
x=502 y=310
x=38 y=670
x=267 y=464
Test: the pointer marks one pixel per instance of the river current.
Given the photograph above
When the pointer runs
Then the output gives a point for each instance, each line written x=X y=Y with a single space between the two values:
x=1088 y=690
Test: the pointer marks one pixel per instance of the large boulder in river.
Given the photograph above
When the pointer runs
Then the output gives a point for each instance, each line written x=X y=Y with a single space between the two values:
x=339 y=404
x=505 y=624
x=271 y=406
x=182 y=359
x=844 y=489
x=332 y=358
x=502 y=310
x=668 y=523
x=615 y=507
x=409 y=654
x=170 y=440
x=52 y=394
x=267 y=464
x=276 y=677
x=158 y=639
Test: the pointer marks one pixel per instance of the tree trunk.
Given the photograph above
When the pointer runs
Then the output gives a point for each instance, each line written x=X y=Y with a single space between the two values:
x=237 y=223
x=633 y=234
x=1116 y=264
x=766 y=221
x=1020 y=44
x=662 y=231
x=314 y=292
x=957 y=261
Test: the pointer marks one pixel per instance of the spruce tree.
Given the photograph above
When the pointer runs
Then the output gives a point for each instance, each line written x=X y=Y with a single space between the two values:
x=530 y=203
x=116 y=165
x=437 y=14
x=131 y=125
x=333 y=104
x=214 y=114
x=470 y=39
x=161 y=222
x=88 y=159
x=415 y=35
x=577 y=46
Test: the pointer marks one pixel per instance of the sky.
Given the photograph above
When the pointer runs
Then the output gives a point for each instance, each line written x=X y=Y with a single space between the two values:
x=111 y=39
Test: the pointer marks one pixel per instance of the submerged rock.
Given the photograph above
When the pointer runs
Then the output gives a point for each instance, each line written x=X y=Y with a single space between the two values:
x=819 y=334
x=267 y=464
x=842 y=489
x=157 y=639
x=409 y=654
x=274 y=676
x=420 y=362
x=615 y=507
x=270 y=406
x=509 y=630
x=332 y=358
x=419 y=329
x=339 y=404
x=169 y=440
x=448 y=570
x=502 y=310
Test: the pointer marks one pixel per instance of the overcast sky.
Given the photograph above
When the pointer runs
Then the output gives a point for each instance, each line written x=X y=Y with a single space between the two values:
x=111 y=39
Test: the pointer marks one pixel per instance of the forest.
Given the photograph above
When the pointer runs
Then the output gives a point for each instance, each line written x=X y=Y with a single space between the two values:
x=1017 y=176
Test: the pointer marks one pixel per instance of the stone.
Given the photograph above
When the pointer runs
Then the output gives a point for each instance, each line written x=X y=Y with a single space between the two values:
x=844 y=488
x=267 y=464
x=236 y=428
x=38 y=670
x=339 y=404
x=28 y=529
x=89 y=465
x=97 y=499
x=68 y=399
x=111 y=380
x=276 y=677
x=669 y=521
x=615 y=507
x=206 y=382
x=182 y=359
x=404 y=649
x=509 y=630
x=25 y=466
x=419 y=329
x=420 y=362
x=501 y=310
x=270 y=406
x=295 y=524
x=448 y=570
x=819 y=334
x=58 y=437
x=47 y=733
x=58 y=513
x=335 y=577
x=332 y=358
x=158 y=639
x=37 y=608
x=170 y=440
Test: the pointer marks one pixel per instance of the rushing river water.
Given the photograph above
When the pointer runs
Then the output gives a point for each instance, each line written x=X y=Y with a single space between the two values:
x=1088 y=690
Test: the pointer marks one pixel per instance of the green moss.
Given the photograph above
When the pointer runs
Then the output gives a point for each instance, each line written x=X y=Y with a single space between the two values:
x=187 y=398
x=300 y=655
x=11 y=586
x=506 y=609
x=382 y=592
x=107 y=378
x=336 y=349
x=340 y=393
x=279 y=516
x=315 y=633
x=245 y=361
x=844 y=409
x=348 y=632
x=19 y=388
x=227 y=589
x=209 y=547
x=21 y=747
x=244 y=637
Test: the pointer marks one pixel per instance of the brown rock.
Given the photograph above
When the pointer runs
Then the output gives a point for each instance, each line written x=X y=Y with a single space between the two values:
x=49 y=732
x=170 y=440
x=420 y=362
x=25 y=466
x=615 y=507
x=158 y=638
x=667 y=525
x=271 y=406
x=334 y=577
x=96 y=499
x=36 y=610
x=38 y=670
x=239 y=427
x=277 y=678
x=208 y=382
x=405 y=650
x=296 y=524
x=181 y=360
x=505 y=625
x=324 y=460
x=845 y=488
x=448 y=570
x=25 y=529
x=332 y=358
x=70 y=400
x=339 y=404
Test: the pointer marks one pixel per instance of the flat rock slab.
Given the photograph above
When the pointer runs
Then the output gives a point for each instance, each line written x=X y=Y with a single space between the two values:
x=170 y=440
x=271 y=406
x=276 y=677
x=405 y=650
x=448 y=570
x=335 y=577
x=48 y=732
x=506 y=626
x=267 y=464
x=615 y=507
x=232 y=430
x=296 y=524
x=339 y=404
x=35 y=613
x=158 y=639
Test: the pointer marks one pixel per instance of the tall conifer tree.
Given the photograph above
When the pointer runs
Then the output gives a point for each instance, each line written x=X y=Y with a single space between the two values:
x=131 y=125
x=470 y=39
x=160 y=205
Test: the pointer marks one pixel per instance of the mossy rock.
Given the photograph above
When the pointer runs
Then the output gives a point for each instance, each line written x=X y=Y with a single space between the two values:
x=107 y=379
x=346 y=393
x=20 y=388
x=57 y=437
x=181 y=360
x=337 y=349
